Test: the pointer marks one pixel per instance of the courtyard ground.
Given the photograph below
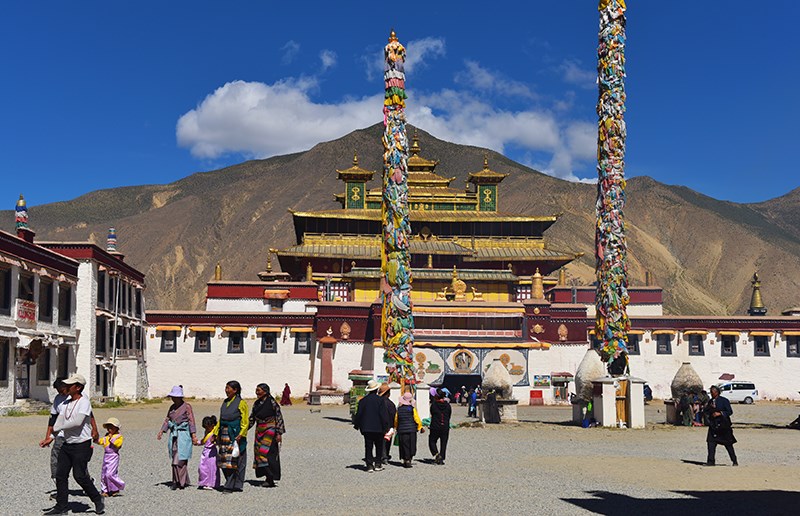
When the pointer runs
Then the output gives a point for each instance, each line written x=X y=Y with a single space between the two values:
x=543 y=465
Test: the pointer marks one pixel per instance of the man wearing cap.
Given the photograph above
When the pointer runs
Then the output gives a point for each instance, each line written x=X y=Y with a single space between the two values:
x=372 y=419
x=75 y=421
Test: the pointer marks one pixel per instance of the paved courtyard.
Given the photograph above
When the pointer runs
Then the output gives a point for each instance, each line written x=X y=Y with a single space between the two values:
x=541 y=466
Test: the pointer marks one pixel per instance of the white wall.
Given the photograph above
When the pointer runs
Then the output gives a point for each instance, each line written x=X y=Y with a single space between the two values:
x=85 y=303
x=204 y=375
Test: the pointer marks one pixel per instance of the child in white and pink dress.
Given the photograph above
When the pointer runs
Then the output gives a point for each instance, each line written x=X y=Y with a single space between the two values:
x=207 y=471
x=110 y=483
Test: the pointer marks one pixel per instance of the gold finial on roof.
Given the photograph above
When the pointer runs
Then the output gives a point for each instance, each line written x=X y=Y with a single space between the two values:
x=455 y=272
x=392 y=36
x=355 y=158
x=562 y=276
x=430 y=261
x=414 y=150
x=309 y=272
x=218 y=272
x=537 y=286
x=21 y=201
x=756 y=303
x=485 y=161
x=269 y=262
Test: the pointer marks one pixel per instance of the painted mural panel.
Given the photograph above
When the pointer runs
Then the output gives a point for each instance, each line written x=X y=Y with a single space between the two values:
x=463 y=361
x=428 y=365
x=516 y=362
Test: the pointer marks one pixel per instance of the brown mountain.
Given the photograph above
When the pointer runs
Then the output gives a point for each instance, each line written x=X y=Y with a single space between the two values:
x=701 y=250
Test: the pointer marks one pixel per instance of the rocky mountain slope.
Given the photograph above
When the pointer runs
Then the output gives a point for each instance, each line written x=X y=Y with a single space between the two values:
x=701 y=250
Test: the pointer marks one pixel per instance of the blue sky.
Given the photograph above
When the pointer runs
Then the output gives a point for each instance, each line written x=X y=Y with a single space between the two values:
x=105 y=94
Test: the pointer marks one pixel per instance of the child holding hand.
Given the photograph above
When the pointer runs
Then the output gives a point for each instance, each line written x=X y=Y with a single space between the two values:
x=110 y=483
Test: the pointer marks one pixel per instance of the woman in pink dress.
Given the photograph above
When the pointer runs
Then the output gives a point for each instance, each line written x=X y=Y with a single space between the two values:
x=110 y=483
x=208 y=472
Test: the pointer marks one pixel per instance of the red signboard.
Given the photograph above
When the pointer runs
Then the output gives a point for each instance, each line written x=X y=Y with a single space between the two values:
x=26 y=313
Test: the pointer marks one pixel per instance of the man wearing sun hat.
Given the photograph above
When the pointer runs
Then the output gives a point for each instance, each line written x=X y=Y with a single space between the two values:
x=372 y=419
x=75 y=420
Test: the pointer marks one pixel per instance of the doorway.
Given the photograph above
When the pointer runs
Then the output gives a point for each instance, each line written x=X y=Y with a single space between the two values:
x=454 y=382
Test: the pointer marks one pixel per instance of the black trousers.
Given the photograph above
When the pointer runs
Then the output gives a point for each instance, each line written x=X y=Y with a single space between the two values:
x=373 y=448
x=712 y=452
x=74 y=457
x=442 y=436
x=234 y=478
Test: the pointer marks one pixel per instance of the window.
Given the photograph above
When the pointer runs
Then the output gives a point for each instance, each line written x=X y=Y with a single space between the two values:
x=696 y=345
x=101 y=289
x=664 y=344
x=202 y=342
x=43 y=366
x=633 y=344
x=761 y=346
x=169 y=341
x=5 y=291
x=269 y=342
x=112 y=292
x=793 y=346
x=100 y=336
x=45 y=300
x=236 y=342
x=138 y=302
x=4 y=360
x=63 y=363
x=729 y=346
x=302 y=343
x=137 y=337
x=25 y=290
x=65 y=304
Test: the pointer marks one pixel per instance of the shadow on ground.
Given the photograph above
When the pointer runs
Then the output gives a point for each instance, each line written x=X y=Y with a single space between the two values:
x=699 y=502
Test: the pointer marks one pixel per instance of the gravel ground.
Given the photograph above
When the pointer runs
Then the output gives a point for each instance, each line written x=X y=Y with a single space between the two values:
x=541 y=466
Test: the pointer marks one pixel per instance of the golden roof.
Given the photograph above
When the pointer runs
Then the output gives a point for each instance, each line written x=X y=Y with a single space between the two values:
x=355 y=172
x=415 y=162
x=427 y=216
x=486 y=175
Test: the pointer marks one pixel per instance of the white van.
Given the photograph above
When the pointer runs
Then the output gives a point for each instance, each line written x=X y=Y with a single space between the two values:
x=739 y=392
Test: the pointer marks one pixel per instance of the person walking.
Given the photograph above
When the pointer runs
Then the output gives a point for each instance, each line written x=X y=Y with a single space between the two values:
x=440 y=426
x=385 y=392
x=49 y=437
x=372 y=420
x=286 y=396
x=182 y=435
x=267 y=419
x=720 y=431
x=407 y=424
x=75 y=421
x=232 y=437
x=472 y=411
x=110 y=482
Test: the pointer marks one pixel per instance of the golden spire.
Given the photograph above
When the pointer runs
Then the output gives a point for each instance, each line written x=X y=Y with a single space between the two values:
x=756 y=303
x=537 y=286
x=430 y=261
x=485 y=161
x=309 y=272
x=355 y=159
x=218 y=272
x=562 y=276
x=21 y=201
x=392 y=36
x=414 y=150
x=269 y=262
x=455 y=272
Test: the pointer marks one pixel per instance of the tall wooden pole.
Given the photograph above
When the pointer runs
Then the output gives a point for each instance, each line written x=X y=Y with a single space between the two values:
x=397 y=321
x=612 y=323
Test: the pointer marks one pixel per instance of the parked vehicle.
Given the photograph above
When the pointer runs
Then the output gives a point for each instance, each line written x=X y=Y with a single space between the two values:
x=739 y=392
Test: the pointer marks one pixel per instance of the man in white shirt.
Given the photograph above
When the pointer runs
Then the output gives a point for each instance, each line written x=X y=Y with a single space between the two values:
x=75 y=421
x=49 y=437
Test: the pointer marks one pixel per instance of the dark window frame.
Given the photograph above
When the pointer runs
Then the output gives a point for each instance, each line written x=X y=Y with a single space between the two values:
x=696 y=340
x=793 y=341
x=728 y=339
x=267 y=337
x=46 y=287
x=62 y=367
x=760 y=342
x=298 y=337
x=5 y=355
x=232 y=337
x=43 y=366
x=101 y=288
x=64 y=304
x=5 y=290
x=667 y=338
x=197 y=336
x=165 y=340
x=26 y=279
x=633 y=344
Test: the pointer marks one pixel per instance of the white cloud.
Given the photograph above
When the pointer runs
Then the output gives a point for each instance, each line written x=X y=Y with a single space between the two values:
x=491 y=81
x=262 y=120
x=328 y=58
x=290 y=50
x=573 y=73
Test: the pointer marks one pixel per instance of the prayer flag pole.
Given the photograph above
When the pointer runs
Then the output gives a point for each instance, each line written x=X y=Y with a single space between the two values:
x=612 y=323
x=397 y=321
